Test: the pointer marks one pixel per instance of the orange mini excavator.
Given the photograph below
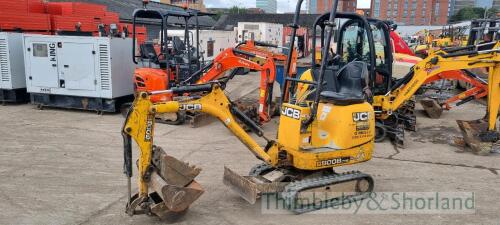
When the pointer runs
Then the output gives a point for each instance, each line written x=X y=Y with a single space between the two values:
x=175 y=62
x=229 y=60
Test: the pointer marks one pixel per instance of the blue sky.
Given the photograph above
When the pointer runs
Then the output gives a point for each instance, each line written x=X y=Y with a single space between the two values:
x=283 y=5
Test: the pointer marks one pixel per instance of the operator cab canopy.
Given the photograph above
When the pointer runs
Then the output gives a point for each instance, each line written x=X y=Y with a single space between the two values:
x=362 y=59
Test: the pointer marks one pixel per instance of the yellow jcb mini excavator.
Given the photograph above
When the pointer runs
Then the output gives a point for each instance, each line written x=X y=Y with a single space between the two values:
x=336 y=128
x=481 y=134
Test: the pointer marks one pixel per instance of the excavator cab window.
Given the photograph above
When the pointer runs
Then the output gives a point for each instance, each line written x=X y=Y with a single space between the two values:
x=354 y=45
x=383 y=56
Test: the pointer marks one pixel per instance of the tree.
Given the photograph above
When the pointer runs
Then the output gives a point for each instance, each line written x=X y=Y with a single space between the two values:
x=492 y=12
x=237 y=10
x=468 y=13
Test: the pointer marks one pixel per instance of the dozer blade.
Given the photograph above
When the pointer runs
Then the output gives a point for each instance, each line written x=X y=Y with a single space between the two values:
x=432 y=108
x=475 y=135
x=241 y=185
x=251 y=187
x=199 y=119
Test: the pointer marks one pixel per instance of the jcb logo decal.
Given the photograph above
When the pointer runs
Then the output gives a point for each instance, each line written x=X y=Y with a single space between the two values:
x=290 y=112
x=360 y=116
x=186 y=107
x=149 y=129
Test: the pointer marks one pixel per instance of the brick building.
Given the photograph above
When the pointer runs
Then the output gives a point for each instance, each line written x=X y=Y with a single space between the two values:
x=322 y=6
x=412 y=12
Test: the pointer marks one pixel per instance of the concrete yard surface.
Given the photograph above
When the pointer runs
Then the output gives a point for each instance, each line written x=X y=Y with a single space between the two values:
x=65 y=167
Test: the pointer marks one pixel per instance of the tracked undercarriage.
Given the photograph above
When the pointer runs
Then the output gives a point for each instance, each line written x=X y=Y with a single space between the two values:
x=302 y=191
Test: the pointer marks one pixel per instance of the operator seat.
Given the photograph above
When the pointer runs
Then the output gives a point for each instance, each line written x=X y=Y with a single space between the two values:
x=178 y=45
x=148 y=51
x=349 y=85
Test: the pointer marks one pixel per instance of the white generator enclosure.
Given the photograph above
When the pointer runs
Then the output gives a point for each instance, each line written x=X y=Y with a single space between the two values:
x=93 y=73
x=12 y=76
x=271 y=33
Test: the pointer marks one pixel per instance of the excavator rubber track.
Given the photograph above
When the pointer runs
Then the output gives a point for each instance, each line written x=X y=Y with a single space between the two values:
x=360 y=184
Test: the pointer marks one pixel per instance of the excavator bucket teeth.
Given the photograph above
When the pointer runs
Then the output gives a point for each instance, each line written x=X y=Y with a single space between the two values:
x=241 y=185
x=432 y=108
x=174 y=171
x=472 y=131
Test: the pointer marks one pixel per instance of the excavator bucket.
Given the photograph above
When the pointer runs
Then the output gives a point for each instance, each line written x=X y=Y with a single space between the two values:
x=173 y=185
x=432 y=108
x=475 y=136
x=175 y=198
x=251 y=188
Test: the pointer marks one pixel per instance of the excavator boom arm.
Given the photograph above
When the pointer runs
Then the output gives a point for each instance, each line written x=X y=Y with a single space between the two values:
x=226 y=61
x=140 y=123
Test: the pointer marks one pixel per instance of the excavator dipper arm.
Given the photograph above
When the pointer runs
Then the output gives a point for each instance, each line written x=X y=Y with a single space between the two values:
x=479 y=87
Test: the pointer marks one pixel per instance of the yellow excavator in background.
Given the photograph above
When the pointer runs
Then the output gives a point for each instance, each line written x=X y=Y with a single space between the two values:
x=480 y=135
x=451 y=36
x=334 y=129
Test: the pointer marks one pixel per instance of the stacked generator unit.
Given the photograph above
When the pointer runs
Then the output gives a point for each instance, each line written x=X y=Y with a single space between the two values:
x=12 y=77
x=90 y=73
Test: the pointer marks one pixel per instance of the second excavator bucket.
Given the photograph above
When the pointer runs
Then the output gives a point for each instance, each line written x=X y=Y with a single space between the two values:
x=173 y=185
x=251 y=188
x=432 y=108
x=175 y=198
x=476 y=136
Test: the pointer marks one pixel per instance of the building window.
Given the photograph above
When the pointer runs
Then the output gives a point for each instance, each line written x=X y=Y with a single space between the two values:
x=389 y=9
x=396 y=8
x=405 y=13
x=210 y=48
x=376 y=11
x=424 y=8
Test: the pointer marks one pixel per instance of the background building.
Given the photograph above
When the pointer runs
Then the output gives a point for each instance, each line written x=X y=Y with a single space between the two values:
x=311 y=6
x=322 y=6
x=269 y=6
x=193 y=4
x=228 y=10
x=412 y=12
